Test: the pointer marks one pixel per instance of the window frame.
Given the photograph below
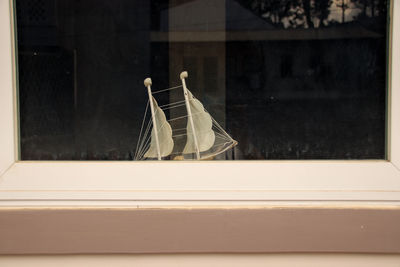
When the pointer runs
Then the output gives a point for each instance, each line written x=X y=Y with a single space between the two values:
x=25 y=183
x=238 y=184
x=115 y=190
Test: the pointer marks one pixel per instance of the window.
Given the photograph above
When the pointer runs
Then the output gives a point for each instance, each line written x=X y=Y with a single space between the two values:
x=129 y=182
x=286 y=66
x=304 y=80
x=141 y=184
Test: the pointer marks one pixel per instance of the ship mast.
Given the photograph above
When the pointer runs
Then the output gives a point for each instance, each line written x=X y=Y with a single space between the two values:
x=190 y=117
x=148 y=83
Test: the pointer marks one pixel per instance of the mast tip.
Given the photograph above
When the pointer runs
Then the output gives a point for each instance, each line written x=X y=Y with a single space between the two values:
x=184 y=74
x=147 y=82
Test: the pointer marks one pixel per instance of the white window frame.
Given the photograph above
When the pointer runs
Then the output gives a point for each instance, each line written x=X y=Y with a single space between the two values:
x=44 y=183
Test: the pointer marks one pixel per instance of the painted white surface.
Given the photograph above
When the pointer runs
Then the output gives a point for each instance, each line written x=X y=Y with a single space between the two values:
x=257 y=182
x=208 y=182
x=283 y=260
x=7 y=148
x=394 y=96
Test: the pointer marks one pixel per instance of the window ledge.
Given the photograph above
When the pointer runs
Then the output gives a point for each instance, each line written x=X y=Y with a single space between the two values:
x=109 y=183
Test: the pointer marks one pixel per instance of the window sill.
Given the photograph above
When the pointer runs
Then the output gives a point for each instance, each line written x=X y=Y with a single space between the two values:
x=129 y=183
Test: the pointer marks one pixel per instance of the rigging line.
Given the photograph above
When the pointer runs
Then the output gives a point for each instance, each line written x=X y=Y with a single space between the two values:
x=170 y=104
x=143 y=146
x=180 y=129
x=178 y=118
x=220 y=128
x=149 y=124
x=145 y=136
x=177 y=135
x=204 y=131
x=219 y=152
x=223 y=136
x=141 y=156
x=141 y=131
x=146 y=132
x=222 y=144
x=177 y=106
x=146 y=148
x=145 y=140
x=224 y=139
x=181 y=117
x=148 y=129
x=141 y=128
x=142 y=153
x=168 y=89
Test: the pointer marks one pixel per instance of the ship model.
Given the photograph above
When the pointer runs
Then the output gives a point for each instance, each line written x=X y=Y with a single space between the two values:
x=200 y=138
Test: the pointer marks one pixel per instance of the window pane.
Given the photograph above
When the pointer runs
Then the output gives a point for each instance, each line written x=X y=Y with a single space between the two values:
x=286 y=79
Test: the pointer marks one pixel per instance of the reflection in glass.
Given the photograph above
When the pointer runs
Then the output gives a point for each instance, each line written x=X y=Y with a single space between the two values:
x=288 y=79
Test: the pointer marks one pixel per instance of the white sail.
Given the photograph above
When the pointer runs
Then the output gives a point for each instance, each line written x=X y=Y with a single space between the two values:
x=202 y=123
x=164 y=133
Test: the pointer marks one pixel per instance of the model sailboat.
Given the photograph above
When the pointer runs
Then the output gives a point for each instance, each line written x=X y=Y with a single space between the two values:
x=202 y=138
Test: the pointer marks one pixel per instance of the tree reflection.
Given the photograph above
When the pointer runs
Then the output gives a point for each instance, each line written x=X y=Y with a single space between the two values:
x=315 y=13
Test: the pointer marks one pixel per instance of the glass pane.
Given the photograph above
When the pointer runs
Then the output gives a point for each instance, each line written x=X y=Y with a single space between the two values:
x=285 y=79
